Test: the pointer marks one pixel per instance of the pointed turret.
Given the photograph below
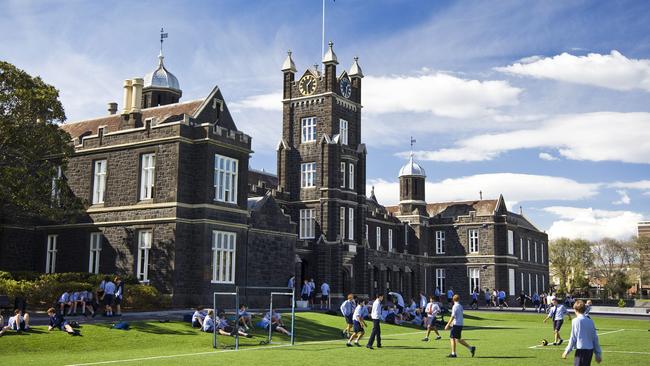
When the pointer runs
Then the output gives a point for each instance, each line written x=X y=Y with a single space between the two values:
x=288 y=65
x=355 y=69
x=330 y=56
x=330 y=62
x=289 y=71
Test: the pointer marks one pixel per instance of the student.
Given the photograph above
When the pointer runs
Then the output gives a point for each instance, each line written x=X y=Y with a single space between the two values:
x=58 y=322
x=474 y=303
x=584 y=338
x=312 y=293
x=495 y=298
x=450 y=295
x=588 y=308
x=276 y=323
x=305 y=293
x=488 y=301
x=522 y=300
x=224 y=328
x=64 y=300
x=109 y=296
x=245 y=318
x=432 y=310
x=75 y=298
x=437 y=293
x=87 y=301
x=557 y=312
x=325 y=295
x=119 y=294
x=18 y=323
x=502 y=300
x=423 y=301
x=292 y=282
x=359 y=326
x=347 y=309
x=208 y=322
x=197 y=318
x=456 y=325
x=375 y=315
x=399 y=301
x=536 y=303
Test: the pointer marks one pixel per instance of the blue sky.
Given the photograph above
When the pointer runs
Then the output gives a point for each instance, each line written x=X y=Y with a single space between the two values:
x=545 y=102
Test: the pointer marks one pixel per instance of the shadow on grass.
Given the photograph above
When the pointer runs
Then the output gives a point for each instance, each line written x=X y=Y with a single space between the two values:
x=154 y=328
x=11 y=333
x=504 y=357
x=475 y=317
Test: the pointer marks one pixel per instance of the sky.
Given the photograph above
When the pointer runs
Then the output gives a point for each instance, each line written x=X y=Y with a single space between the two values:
x=543 y=102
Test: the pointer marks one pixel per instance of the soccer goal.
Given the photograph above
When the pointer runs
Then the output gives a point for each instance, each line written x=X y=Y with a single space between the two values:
x=262 y=292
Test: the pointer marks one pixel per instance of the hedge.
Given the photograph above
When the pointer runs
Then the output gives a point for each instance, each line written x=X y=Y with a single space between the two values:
x=43 y=290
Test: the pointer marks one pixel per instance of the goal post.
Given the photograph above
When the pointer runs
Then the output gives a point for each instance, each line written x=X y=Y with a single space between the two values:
x=214 y=309
x=292 y=294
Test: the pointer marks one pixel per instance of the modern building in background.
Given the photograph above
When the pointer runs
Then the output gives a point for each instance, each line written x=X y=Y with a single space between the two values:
x=172 y=201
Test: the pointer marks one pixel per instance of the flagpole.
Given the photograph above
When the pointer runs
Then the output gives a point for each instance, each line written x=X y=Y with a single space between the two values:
x=322 y=46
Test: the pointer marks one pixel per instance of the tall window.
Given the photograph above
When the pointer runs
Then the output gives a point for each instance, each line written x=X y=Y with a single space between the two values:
x=225 y=179
x=307 y=224
x=521 y=248
x=144 y=245
x=147 y=176
x=50 y=260
x=530 y=283
x=440 y=279
x=56 y=186
x=343 y=174
x=406 y=234
x=511 y=281
x=511 y=242
x=543 y=283
x=535 y=252
x=474 y=279
x=473 y=240
x=351 y=223
x=440 y=242
x=378 y=237
x=390 y=240
x=343 y=131
x=367 y=233
x=309 y=129
x=351 y=178
x=307 y=175
x=99 y=181
x=522 y=282
x=342 y=223
x=224 y=247
x=536 y=283
x=542 y=251
x=95 y=251
x=528 y=245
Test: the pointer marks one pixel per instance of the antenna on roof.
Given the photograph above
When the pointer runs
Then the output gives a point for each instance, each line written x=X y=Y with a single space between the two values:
x=163 y=35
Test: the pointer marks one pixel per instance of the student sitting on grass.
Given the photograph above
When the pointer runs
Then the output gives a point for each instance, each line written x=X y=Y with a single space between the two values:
x=208 y=322
x=584 y=338
x=197 y=318
x=58 y=322
x=18 y=322
x=224 y=328
x=64 y=300
x=276 y=323
x=245 y=318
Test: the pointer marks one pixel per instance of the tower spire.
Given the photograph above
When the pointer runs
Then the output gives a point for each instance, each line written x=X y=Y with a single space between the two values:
x=412 y=143
x=163 y=35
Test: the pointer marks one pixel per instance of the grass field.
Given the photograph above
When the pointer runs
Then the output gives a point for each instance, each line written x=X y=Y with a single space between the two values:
x=501 y=339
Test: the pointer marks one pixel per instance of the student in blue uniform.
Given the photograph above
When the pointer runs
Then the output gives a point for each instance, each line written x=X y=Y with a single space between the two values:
x=347 y=309
x=325 y=296
x=502 y=300
x=584 y=338
x=64 y=300
x=119 y=295
x=109 y=296
x=557 y=313
x=536 y=302
x=245 y=318
x=359 y=324
x=474 y=303
x=58 y=322
x=432 y=310
x=75 y=298
x=19 y=323
x=208 y=322
x=456 y=323
x=450 y=296
x=305 y=293
x=197 y=318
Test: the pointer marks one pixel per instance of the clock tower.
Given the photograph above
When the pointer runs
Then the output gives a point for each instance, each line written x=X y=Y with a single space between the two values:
x=322 y=169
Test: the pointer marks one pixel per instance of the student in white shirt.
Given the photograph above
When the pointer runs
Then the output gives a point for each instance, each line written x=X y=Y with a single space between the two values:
x=305 y=293
x=64 y=300
x=456 y=324
x=245 y=318
x=325 y=295
x=197 y=318
x=423 y=301
x=19 y=322
x=375 y=315
x=347 y=309
x=358 y=316
x=109 y=296
x=557 y=312
x=399 y=301
x=584 y=338
x=432 y=310
x=208 y=322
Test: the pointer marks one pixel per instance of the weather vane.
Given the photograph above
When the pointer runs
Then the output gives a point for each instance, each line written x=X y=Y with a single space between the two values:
x=412 y=143
x=163 y=35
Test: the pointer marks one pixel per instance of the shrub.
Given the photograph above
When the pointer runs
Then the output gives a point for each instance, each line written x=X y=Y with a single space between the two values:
x=144 y=297
x=621 y=303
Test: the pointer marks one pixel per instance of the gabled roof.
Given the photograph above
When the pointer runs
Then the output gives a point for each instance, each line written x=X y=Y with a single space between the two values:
x=522 y=221
x=462 y=208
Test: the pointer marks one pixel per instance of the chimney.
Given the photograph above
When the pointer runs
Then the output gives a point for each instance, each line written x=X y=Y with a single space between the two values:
x=112 y=108
x=127 y=97
x=136 y=95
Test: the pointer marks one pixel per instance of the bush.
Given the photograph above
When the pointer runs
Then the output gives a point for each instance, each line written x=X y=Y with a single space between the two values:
x=144 y=297
x=621 y=303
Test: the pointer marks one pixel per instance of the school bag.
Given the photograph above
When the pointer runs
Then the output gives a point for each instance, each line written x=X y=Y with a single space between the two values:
x=121 y=325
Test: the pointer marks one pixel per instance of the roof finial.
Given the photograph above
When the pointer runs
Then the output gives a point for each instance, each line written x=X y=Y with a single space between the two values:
x=412 y=143
x=163 y=35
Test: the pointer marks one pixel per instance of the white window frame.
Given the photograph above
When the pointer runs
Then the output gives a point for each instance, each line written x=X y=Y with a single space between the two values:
x=145 y=238
x=543 y=283
x=224 y=256
x=342 y=222
x=95 y=250
x=474 y=276
x=147 y=175
x=530 y=283
x=351 y=177
x=308 y=175
x=226 y=171
x=440 y=242
x=536 y=283
x=390 y=240
x=56 y=189
x=50 y=259
x=378 y=237
x=473 y=238
x=511 y=282
x=367 y=233
x=542 y=251
x=308 y=129
x=343 y=131
x=535 y=246
x=351 y=223
x=343 y=174
x=522 y=282
x=511 y=242
x=99 y=181
x=521 y=249
x=307 y=223
x=406 y=234
x=441 y=279
x=528 y=248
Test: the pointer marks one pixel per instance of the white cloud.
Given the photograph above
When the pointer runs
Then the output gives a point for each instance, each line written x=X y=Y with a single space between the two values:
x=640 y=185
x=547 y=156
x=269 y=102
x=623 y=199
x=598 y=136
x=592 y=224
x=612 y=71
x=514 y=187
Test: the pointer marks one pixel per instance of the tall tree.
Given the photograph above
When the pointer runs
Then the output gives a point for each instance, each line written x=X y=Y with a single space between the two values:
x=641 y=260
x=567 y=258
x=612 y=260
x=33 y=149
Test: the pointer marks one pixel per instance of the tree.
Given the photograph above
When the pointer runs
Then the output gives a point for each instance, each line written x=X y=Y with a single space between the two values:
x=612 y=259
x=641 y=260
x=569 y=257
x=33 y=149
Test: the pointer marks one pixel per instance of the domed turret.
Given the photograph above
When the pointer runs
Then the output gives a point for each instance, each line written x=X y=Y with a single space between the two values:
x=412 y=169
x=411 y=187
x=161 y=87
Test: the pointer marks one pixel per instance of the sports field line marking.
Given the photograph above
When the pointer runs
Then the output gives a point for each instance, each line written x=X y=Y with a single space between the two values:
x=222 y=351
x=538 y=346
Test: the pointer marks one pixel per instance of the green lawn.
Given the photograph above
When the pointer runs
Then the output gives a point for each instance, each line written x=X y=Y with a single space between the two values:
x=501 y=339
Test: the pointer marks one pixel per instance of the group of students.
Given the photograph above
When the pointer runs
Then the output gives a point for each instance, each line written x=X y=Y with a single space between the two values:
x=308 y=292
x=109 y=294
x=206 y=321
x=355 y=311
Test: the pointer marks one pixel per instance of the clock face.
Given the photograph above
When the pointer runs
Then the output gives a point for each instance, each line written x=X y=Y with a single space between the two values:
x=346 y=88
x=307 y=84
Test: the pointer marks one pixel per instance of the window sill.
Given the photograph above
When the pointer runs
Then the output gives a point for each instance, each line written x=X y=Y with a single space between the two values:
x=225 y=202
x=97 y=205
x=144 y=282
x=145 y=201
x=221 y=283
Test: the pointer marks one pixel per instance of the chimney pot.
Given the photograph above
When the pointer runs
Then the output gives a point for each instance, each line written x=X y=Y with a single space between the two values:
x=136 y=96
x=127 y=97
x=112 y=108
